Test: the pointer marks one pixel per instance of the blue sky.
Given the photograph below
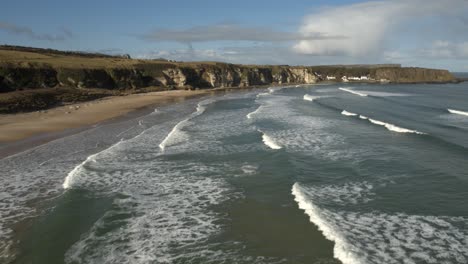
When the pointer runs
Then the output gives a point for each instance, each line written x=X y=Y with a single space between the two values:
x=413 y=32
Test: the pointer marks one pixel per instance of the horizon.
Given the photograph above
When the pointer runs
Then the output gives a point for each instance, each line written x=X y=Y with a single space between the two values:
x=342 y=32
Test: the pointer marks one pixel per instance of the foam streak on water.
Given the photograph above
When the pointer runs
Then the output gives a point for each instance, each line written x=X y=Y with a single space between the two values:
x=458 y=112
x=353 y=92
x=176 y=134
x=394 y=128
x=346 y=113
x=388 y=126
x=308 y=97
x=252 y=114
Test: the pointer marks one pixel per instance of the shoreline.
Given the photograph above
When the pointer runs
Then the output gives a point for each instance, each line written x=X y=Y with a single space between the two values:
x=22 y=131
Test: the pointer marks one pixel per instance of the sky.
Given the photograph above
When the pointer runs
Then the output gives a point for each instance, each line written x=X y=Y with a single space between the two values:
x=423 y=33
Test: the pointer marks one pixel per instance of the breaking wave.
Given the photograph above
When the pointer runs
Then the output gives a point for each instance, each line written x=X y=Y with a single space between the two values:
x=353 y=92
x=251 y=114
x=394 y=128
x=270 y=142
x=161 y=206
x=377 y=237
x=388 y=126
x=457 y=112
x=346 y=113
x=310 y=98
x=176 y=133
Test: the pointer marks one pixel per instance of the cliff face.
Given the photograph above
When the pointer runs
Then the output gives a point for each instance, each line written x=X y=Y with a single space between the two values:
x=30 y=68
x=200 y=76
x=413 y=75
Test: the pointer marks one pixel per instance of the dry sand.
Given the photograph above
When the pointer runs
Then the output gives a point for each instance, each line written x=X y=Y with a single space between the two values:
x=15 y=127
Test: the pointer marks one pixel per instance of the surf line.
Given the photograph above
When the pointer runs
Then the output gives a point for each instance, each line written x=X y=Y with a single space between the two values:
x=201 y=107
x=457 y=112
x=352 y=91
x=388 y=126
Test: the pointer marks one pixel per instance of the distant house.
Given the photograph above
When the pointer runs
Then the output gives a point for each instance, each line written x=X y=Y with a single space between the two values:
x=364 y=78
x=353 y=78
x=331 y=78
x=344 y=79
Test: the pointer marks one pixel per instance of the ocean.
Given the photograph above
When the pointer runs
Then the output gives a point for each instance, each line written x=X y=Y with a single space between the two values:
x=342 y=173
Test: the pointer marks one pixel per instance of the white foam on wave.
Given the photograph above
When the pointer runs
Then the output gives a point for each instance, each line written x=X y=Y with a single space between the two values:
x=251 y=114
x=457 y=112
x=163 y=207
x=385 y=94
x=376 y=237
x=299 y=132
x=249 y=169
x=270 y=142
x=176 y=134
x=308 y=97
x=394 y=128
x=346 y=113
x=388 y=126
x=272 y=90
x=71 y=177
x=353 y=92
x=343 y=249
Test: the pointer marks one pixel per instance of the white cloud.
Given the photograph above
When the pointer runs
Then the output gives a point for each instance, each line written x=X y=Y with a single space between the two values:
x=430 y=33
x=229 y=32
x=368 y=25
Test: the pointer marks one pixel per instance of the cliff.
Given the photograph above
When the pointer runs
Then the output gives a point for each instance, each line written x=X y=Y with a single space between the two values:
x=150 y=74
x=32 y=69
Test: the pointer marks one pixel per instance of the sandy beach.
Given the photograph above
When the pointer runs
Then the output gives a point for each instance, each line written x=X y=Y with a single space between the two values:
x=15 y=127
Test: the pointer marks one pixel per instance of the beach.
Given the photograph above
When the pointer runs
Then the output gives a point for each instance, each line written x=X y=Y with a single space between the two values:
x=19 y=126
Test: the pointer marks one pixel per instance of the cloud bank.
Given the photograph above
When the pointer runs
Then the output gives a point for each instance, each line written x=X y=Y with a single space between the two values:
x=28 y=32
x=368 y=26
x=232 y=32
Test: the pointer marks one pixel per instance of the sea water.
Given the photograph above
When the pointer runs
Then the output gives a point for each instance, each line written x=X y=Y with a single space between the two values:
x=310 y=174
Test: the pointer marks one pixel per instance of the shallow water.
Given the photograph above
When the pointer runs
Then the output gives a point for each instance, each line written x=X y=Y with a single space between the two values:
x=315 y=174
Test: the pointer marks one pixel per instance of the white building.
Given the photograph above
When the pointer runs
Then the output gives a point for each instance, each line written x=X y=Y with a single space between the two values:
x=344 y=79
x=331 y=78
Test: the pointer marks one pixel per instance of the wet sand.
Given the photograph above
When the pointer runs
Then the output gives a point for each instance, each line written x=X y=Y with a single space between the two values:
x=21 y=131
